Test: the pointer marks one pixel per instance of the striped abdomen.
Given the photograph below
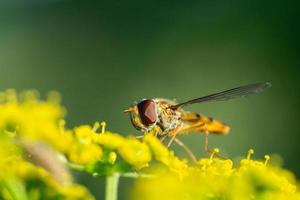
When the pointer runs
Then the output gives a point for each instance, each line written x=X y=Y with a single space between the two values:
x=193 y=122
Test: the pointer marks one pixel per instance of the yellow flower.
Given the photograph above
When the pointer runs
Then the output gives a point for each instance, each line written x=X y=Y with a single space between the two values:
x=66 y=140
x=214 y=178
x=20 y=172
x=112 y=157
x=25 y=119
x=162 y=154
x=82 y=150
x=30 y=118
x=109 y=140
x=135 y=153
x=9 y=155
x=84 y=154
x=84 y=134
x=159 y=151
x=215 y=166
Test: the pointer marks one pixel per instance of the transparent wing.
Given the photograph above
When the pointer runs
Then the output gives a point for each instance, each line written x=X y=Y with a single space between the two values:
x=241 y=91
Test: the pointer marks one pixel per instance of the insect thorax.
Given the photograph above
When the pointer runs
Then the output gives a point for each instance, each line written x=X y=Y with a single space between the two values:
x=168 y=119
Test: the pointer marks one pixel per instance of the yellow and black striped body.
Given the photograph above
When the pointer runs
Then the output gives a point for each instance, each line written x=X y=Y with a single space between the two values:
x=194 y=122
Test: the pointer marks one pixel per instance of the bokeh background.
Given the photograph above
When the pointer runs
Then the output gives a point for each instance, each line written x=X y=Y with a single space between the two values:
x=104 y=55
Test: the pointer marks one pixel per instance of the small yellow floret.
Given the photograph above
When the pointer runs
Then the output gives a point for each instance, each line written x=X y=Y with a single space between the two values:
x=136 y=153
x=109 y=140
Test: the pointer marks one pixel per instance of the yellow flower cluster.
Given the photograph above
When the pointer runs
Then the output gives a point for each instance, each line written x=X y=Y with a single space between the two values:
x=136 y=153
x=31 y=118
x=29 y=172
x=25 y=117
x=29 y=133
x=162 y=154
x=90 y=146
x=82 y=150
x=32 y=130
x=17 y=175
x=214 y=178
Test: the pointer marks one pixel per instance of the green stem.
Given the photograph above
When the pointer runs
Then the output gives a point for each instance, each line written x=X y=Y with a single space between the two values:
x=111 y=190
x=16 y=188
x=137 y=175
x=76 y=166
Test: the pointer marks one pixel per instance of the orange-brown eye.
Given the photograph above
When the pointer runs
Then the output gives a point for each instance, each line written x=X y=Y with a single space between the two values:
x=147 y=111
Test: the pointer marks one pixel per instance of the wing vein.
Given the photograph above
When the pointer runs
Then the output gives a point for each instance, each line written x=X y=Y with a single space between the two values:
x=233 y=93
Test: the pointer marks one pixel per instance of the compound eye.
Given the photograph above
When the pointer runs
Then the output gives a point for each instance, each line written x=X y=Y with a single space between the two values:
x=147 y=111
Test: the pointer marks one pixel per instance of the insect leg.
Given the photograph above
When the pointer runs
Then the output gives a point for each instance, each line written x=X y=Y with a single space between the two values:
x=173 y=134
x=206 y=142
x=187 y=150
x=206 y=146
x=162 y=138
x=171 y=140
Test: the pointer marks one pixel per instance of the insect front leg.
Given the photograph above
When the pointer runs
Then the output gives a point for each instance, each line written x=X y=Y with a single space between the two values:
x=171 y=140
x=173 y=135
x=187 y=150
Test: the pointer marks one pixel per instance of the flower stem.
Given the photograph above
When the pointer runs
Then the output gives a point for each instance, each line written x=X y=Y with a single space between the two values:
x=111 y=190
x=137 y=175
x=16 y=188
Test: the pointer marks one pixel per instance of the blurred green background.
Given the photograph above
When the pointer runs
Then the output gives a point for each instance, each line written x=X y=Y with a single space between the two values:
x=103 y=55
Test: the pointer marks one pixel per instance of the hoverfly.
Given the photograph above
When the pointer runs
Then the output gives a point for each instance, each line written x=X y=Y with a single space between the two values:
x=168 y=118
